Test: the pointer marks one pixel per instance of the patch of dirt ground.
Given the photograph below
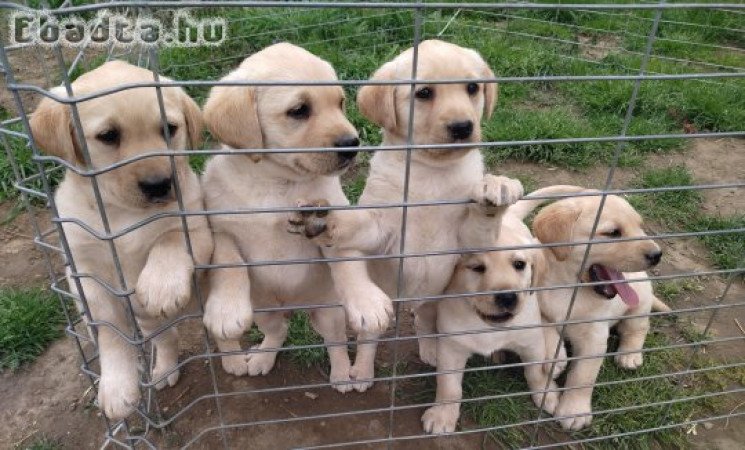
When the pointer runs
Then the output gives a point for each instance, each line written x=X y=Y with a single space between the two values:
x=52 y=398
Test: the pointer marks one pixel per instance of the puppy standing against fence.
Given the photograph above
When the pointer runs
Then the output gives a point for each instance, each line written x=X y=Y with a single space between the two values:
x=443 y=114
x=571 y=220
x=154 y=257
x=467 y=318
x=278 y=117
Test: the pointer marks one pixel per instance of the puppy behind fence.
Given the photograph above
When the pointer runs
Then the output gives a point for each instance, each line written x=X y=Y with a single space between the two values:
x=140 y=428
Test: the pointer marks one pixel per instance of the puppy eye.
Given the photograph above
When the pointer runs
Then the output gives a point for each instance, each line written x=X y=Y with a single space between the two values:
x=424 y=93
x=172 y=130
x=614 y=233
x=472 y=88
x=518 y=265
x=299 y=112
x=478 y=268
x=109 y=137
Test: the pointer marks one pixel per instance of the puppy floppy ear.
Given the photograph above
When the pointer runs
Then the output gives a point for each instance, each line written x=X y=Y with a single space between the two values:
x=555 y=223
x=491 y=90
x=378 y=102
x=539 y=266
x=194 y=122
x=51 y=127
x=232 y=117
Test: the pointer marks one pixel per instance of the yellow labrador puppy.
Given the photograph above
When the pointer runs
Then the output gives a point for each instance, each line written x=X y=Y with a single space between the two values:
x=274 y=118
x=614 y=264
x=443 y=114
x=506 y=270
x=154 y=258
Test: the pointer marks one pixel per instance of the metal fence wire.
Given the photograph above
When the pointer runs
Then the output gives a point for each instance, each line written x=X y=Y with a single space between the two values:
x=694 y=370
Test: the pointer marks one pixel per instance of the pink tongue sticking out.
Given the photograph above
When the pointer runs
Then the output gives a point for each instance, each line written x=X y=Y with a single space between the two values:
x=627 y=293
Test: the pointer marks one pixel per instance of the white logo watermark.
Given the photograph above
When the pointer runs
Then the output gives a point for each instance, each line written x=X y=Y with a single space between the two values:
x=43 y=28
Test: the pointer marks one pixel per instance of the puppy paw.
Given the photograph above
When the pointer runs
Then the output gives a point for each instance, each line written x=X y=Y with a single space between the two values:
x=428 y=351
x=118 y=398
x=574 y=411
x=235 y=364
x=441 y=418
x=340 y=380
x=227 y=318
x=310 y=223
x=495 y=192
x=164 y=291
x=260 y=363
x=629 y=361
x=158 y=375
x=368 y=309
x=551 y=401
x=362 y=374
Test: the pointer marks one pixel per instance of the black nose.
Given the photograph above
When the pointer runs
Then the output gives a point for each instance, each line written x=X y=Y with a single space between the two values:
x=654 y=257
x=506 y=300
x=461 y=130
x=155 y=188
x=347 y=141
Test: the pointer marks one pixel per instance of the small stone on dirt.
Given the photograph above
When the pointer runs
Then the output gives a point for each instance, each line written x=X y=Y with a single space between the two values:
x=311 y=395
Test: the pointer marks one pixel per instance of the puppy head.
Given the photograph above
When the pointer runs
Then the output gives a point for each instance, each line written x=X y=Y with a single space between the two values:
x=120 y=126
x=501 y=270
x=284 y=116
x=444 y=113
x=571 y=220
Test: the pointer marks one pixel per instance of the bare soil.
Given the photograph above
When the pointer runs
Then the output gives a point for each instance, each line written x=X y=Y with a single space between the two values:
x=52 y=398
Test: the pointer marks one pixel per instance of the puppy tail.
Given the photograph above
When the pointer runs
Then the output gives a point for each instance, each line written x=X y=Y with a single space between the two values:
x=660 y=306
x=527 y=205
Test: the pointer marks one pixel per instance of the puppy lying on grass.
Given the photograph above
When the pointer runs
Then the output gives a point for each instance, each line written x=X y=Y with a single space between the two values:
x=508 y=320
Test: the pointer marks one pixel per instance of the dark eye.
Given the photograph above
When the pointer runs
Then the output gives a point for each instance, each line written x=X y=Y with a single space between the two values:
x=172 y=129
x=424 y=93
x=614 y=233
x=472 y=88
x=478 y=268
x=518 y=265
x=299 y=112
x=109 y=137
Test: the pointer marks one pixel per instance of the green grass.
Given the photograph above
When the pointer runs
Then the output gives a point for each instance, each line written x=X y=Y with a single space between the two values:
x=680 y=210
x=44 y=443
x=30 y=319
x=300 y=333
x=627 y=393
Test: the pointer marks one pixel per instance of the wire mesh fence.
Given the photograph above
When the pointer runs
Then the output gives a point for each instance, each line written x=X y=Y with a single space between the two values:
x=586 y=91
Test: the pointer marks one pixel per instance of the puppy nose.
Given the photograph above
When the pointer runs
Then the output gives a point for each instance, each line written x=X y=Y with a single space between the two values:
x=653 y=258
x=461 y=130
x=506 y=300
x=155 y=188
x=347 y=141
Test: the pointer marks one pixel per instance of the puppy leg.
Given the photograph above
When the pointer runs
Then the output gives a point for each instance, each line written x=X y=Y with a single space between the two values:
x=551 y=336
x=274 y=325
x=164 y=285
x=493 y=194
x=633 y=332
x=443 y=418
x=364 y=362
x=425 y=323
x=227 y=312
x=349 y=234
x=330 y=323
x=118 y=387
x=164 y=372
x=536 y=376
x=586 y=339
